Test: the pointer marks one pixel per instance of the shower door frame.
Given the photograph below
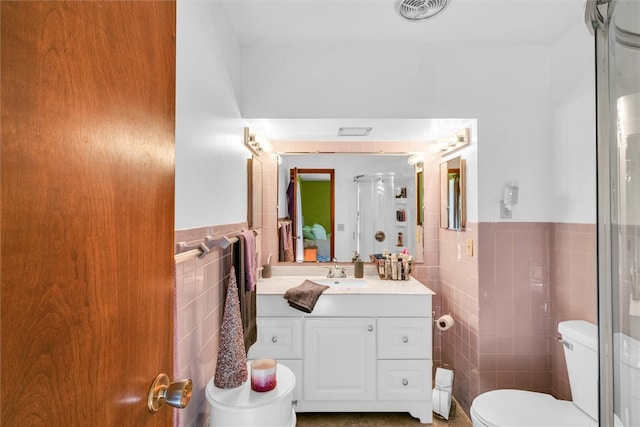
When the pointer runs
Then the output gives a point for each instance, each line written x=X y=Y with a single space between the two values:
x=598 y=16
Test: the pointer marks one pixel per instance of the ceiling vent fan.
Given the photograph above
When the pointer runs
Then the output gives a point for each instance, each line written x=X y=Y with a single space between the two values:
x=419 y=10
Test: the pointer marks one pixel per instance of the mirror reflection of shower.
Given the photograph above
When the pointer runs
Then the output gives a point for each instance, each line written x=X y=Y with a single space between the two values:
x=385 y=214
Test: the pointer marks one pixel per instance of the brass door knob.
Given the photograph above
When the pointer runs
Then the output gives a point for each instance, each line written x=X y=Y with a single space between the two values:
x=176 y=394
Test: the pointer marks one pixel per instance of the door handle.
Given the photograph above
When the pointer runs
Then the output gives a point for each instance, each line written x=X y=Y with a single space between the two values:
x=176 y=394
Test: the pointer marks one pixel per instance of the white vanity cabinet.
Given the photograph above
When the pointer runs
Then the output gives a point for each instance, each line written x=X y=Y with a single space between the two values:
x=357 y=351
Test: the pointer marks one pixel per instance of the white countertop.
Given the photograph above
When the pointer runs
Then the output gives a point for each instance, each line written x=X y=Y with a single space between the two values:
x=381 y=298
x=277 y=285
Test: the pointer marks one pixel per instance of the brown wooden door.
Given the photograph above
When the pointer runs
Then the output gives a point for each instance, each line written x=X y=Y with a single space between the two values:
x=87 y=208
x=297 y=237
x=320 y=174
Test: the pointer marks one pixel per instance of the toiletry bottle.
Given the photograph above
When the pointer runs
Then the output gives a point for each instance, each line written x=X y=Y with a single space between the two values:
x=394 y=267
x=358 y=268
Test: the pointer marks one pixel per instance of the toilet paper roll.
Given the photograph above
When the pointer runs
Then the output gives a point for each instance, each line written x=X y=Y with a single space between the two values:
x=441 y=401
x=444 y=379
x=444 y=322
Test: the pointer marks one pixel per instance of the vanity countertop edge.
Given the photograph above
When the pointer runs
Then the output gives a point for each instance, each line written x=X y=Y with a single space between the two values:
x=379 y=298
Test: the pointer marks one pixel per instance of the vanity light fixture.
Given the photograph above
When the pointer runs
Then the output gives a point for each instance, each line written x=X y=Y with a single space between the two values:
x=455 y=141
x=354 y=131
x=258 y=146
x=415 y=159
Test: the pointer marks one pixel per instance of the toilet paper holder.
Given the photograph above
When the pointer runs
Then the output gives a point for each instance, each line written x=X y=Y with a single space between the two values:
x=444 y=322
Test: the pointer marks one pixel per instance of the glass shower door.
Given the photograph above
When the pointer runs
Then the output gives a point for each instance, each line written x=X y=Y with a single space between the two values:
x=373 y=226
x=385 y=215
x=624 y=87
x=618 y=67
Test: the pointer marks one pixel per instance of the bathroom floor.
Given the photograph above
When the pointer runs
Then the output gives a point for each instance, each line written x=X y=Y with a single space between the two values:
x=313 y=419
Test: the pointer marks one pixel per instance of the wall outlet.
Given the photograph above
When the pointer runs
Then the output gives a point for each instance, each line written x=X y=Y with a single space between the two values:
x=505 y=213
x=469 y=247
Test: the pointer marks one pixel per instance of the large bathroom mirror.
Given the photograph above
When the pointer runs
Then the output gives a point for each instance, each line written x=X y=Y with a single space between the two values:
x=374 y=196
x=453 y=209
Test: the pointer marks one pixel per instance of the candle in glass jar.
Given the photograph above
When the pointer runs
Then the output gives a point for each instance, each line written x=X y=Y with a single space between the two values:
x=263 y=374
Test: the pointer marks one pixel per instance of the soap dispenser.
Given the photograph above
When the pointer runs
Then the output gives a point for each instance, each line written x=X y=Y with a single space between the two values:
x=358 y=268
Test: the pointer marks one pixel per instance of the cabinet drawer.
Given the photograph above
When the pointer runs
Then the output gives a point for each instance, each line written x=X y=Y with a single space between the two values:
x=404 y=338
x=278 y=337
x=404 y=380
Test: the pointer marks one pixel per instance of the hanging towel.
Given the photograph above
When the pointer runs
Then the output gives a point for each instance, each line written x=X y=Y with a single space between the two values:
x=247 y=298
x=287 y=241
x=231 y=365
x=304 y=296
x=250 y=262
x=290 y=198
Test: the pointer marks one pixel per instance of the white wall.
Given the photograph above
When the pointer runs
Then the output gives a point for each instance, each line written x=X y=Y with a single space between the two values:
x=573 y=156
x=509 y=90
x=506 y=89
x=211 y=176
x=534 y=106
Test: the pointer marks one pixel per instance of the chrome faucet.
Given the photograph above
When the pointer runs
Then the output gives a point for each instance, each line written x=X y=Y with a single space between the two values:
x=337 y=271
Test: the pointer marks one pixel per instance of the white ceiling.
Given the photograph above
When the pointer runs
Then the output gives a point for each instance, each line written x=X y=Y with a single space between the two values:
x=356 y=22
x=469 y=22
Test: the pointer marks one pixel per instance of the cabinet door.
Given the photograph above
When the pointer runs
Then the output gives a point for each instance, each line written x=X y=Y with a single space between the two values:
x=340 y=359
x=296 y=368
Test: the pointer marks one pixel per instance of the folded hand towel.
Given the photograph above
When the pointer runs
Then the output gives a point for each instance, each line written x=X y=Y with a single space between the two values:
x=304 y=296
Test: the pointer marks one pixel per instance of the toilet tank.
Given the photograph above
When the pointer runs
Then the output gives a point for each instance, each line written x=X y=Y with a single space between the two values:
x=580 y=343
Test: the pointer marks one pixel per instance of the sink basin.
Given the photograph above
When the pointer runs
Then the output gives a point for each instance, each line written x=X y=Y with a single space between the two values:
x=337 y=282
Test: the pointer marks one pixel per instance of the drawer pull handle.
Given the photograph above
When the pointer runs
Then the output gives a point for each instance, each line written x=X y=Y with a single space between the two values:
x=405 y=381
x=370 y=328
x=405 y=339
x=274 y=338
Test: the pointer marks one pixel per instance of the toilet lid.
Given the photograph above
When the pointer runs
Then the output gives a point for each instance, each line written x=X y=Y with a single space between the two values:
x=243 y=396
x=519 y=408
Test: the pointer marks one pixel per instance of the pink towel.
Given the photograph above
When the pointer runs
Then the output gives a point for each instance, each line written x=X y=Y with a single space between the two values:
x=250 y=262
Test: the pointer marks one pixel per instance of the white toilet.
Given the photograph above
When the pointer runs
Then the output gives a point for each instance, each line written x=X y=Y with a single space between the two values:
x=243 y=407
x=516 y=408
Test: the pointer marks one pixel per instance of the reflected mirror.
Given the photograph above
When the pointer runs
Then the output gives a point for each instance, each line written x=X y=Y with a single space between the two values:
x=374 y=196
x=453 y=194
